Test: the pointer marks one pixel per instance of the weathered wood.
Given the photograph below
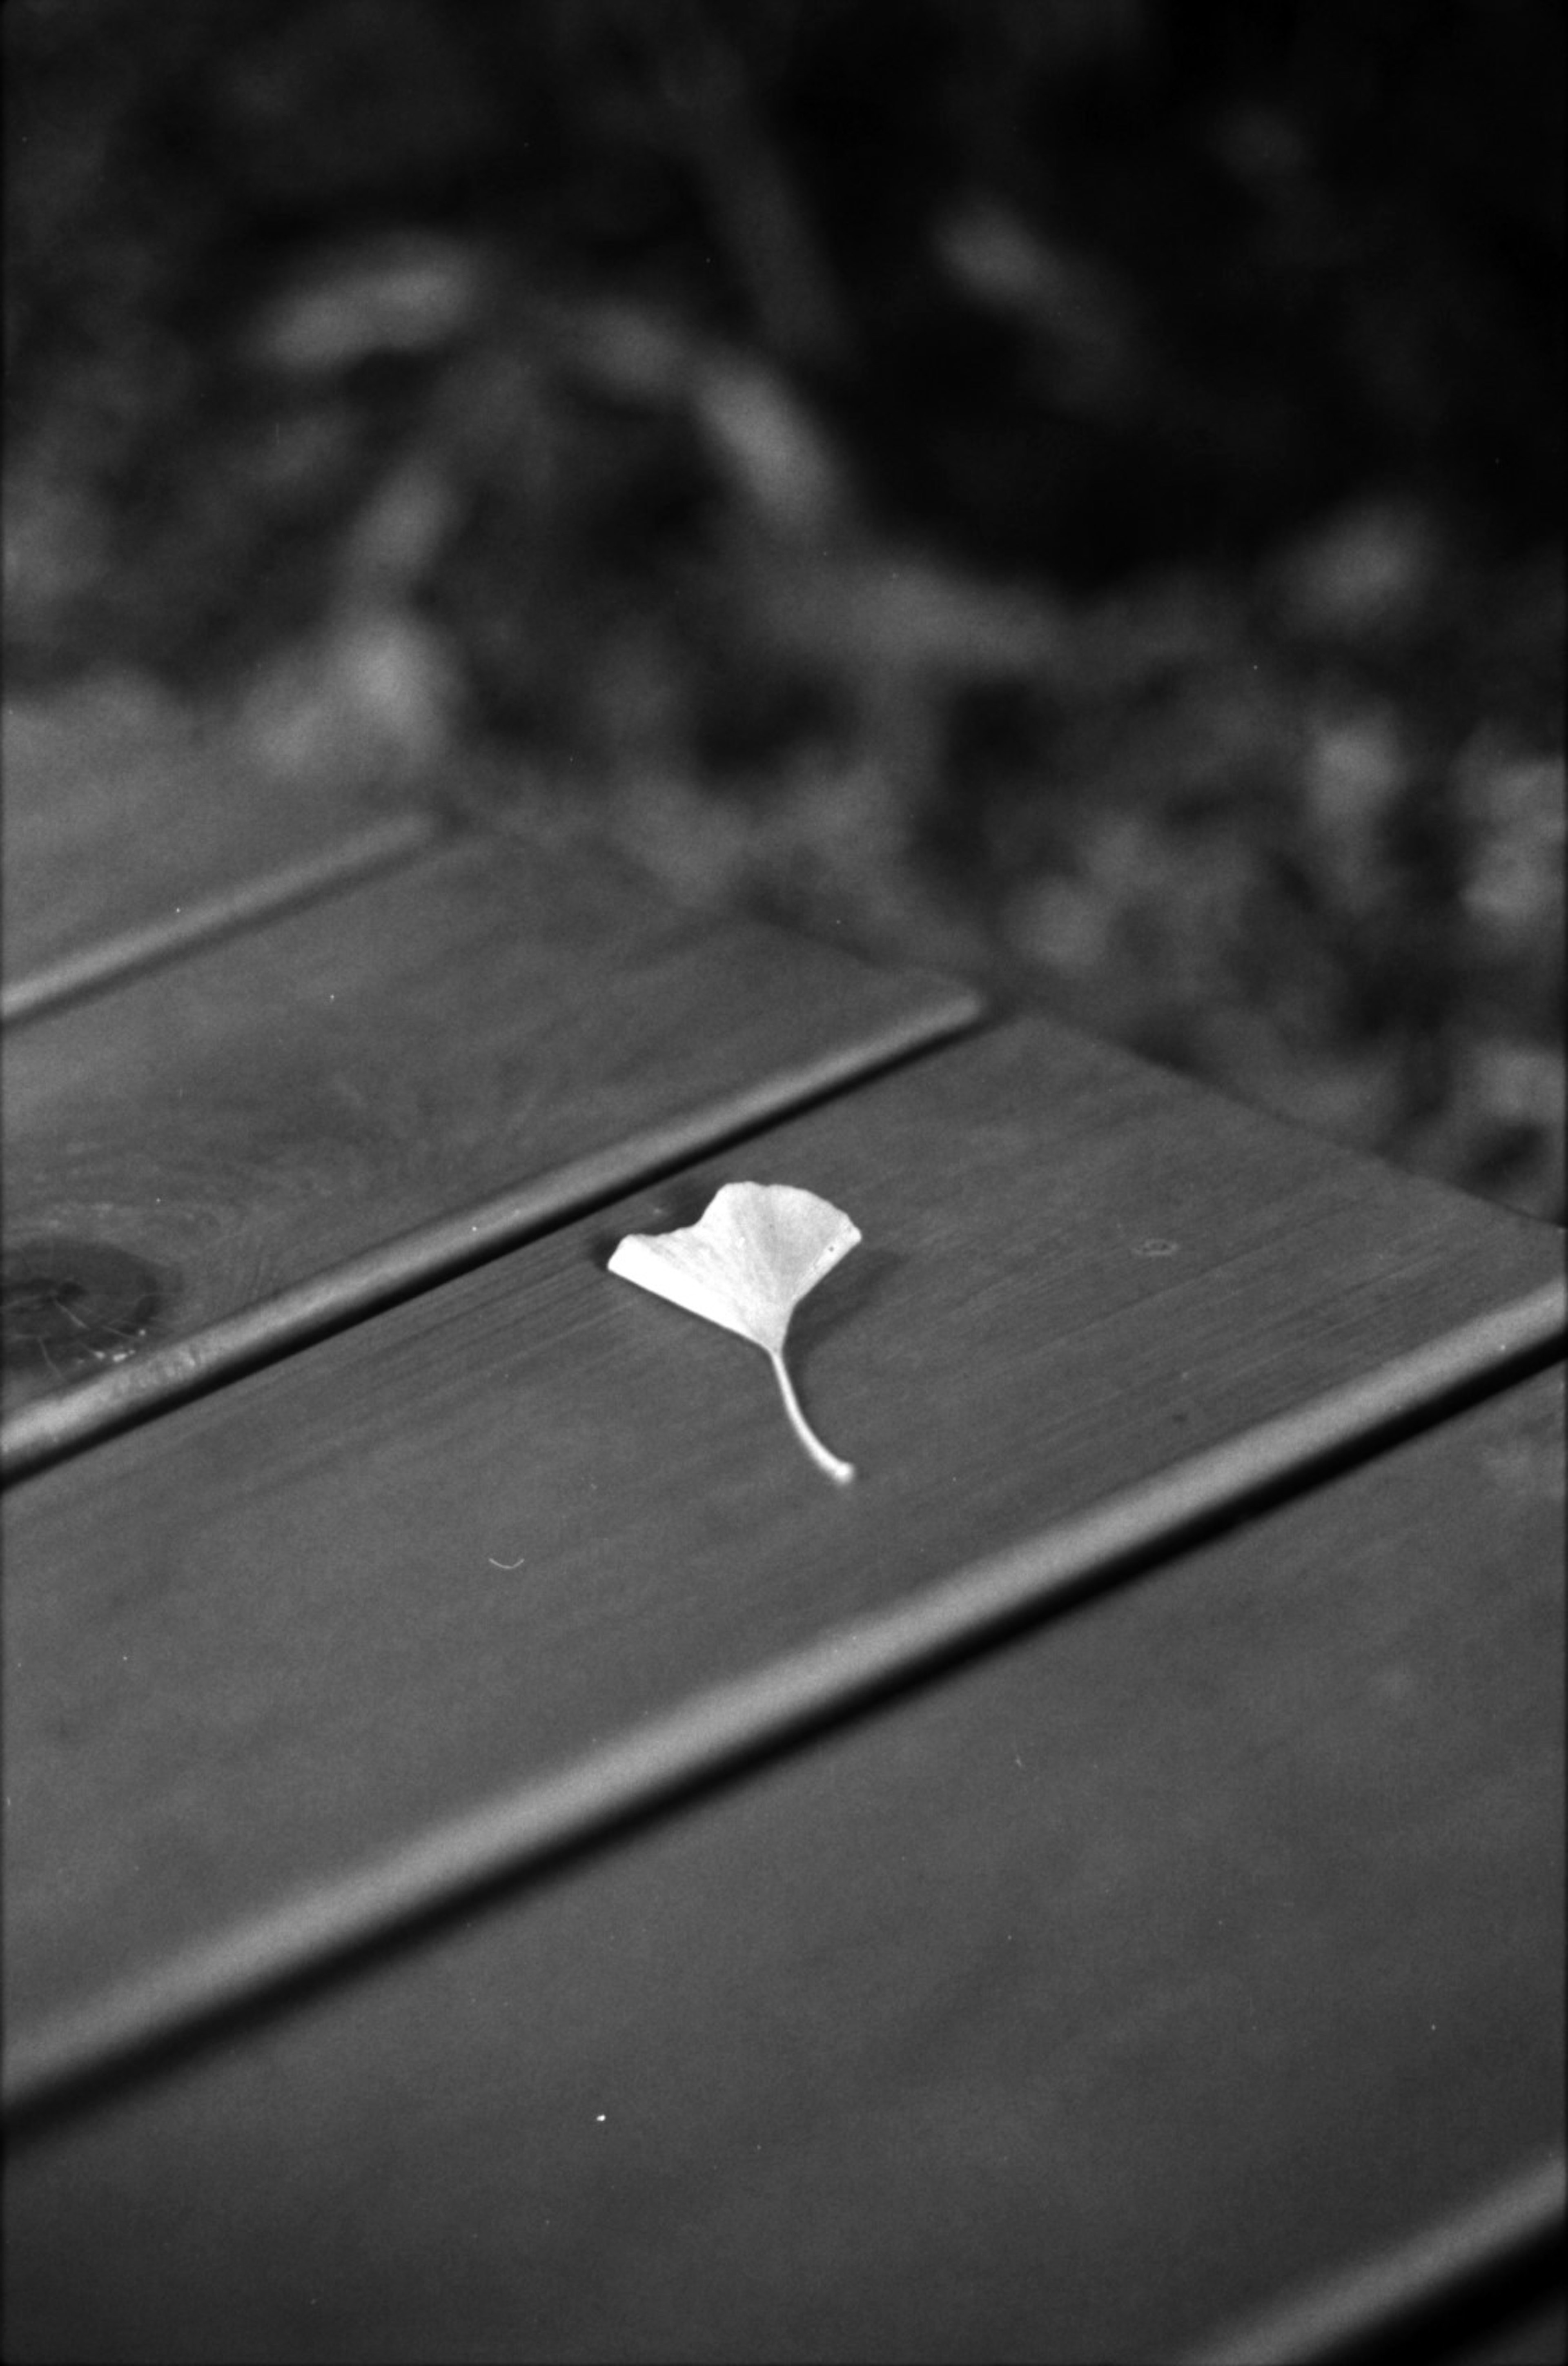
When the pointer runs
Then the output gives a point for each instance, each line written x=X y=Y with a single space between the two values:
x=1187 y=1952
x=121 y=845
x=410 y=1609
x=316 y=1116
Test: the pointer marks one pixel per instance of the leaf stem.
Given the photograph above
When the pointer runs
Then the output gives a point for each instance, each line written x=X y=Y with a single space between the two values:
x=842 y=1471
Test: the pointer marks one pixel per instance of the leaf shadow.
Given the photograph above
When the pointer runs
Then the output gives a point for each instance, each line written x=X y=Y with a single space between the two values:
x=847 y=1292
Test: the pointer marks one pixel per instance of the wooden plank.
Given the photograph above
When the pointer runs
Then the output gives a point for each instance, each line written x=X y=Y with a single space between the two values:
x=1178 y=1957
x=123 y=841
x=247 y=1146
x=450 y=1590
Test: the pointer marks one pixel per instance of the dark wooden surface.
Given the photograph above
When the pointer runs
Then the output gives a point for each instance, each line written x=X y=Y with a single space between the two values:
x=315 y=1114
x=1090 y=1889
x=1186 y=1952
x=121 y=843
x=408 y=1605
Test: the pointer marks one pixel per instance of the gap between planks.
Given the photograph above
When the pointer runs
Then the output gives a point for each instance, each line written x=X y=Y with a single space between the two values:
x=1509 y=2234
x=721 y=1731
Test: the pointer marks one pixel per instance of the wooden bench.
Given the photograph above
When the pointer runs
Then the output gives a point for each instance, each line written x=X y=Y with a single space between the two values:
x=504 y=1861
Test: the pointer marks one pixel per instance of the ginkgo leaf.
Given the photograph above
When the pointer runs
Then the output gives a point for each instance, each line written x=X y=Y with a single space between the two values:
x=756 y=1252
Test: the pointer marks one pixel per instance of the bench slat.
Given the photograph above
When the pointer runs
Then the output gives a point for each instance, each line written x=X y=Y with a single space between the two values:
x=410 y=1598
x=283 y=1130
x=1187 y=1952
x=124 y=840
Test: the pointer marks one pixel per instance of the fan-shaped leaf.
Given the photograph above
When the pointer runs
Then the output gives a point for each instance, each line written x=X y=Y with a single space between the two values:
x=756 y=1252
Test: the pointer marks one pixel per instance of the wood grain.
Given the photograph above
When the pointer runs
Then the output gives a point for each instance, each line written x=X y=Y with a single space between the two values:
x=420 y=1603
x=318 y=1115
x=1185 y=1954
x=123 y=842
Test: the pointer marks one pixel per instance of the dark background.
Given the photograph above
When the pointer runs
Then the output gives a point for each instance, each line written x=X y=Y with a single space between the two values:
x=1065 y=490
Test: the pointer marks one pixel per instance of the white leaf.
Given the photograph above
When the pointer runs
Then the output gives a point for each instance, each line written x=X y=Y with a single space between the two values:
x=757 y=1251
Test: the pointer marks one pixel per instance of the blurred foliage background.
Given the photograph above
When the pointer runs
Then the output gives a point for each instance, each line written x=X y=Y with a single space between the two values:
x=1067 y=491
